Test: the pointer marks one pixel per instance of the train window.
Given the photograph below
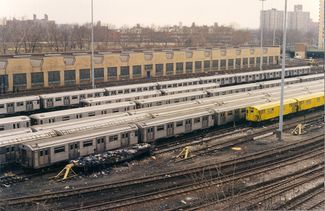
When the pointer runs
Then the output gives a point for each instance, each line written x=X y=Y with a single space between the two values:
x=8 y=149
x=91 y=114
x=76 y=146
x=160 y=127
x=41 y=153
x=71 y=147
x=65 y=118
x=58 y=99
x=318 y=99
x=115 y=110
x=59 y=149
x=179 y=124
x=87 y=143
x=46 y=152
x=197 y=120
x=19 y=103
x=230 y=113
x=2 y=105
x=74 y=97
x=125 y=135
x=113 y=138
x=308 y=102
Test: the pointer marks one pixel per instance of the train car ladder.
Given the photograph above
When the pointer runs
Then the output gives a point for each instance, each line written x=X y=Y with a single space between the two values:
x=184 y=153
x=66 y=173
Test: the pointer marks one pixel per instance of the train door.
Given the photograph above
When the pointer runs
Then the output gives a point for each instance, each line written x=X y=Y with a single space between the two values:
x=44 y=157
x=100 y=145
x=29 y=105
x=237 y=114
x=74 y=151
x=125 y=141
x=10 y=107
x=222 y=118
x=50 y=103
x=10 y=154
x=188 y=125
x=66 y=100
x=150 y=134
x=205 y=121
x=170 y=129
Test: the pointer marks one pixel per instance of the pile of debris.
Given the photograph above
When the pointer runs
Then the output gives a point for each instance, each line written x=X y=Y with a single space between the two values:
x=112 y=157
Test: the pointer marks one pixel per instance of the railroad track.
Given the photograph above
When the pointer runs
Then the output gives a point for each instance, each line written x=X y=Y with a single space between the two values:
x=310 y=200
x=126 y=203
x=253 y=158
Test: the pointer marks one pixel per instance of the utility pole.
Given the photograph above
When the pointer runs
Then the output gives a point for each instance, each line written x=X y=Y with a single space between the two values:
x=280 y=131
x=92 y=46
x=262 y=30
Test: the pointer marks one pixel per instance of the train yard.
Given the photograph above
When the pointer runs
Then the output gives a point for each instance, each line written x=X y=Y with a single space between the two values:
x=233 y=159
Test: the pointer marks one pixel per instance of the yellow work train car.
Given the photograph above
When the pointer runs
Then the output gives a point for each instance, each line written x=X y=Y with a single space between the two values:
x=267 y=111
x=306 y=102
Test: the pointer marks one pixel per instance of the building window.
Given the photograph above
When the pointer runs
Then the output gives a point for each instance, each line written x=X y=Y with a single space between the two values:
x=112 y=72
x=137 y=71
x=245 y=61
x=223 y=64
x=59 y=149
x=215 y=64
x=230 y=64
x=179 y=67
x=3 y=83
x=125 y=71
x=159 y=69
x=99 y=73
x=69 y=77
x=271 y=59
x=148 y=67
x=84 y=75
x=170 y=68
x=19 y=79
x=207 y=65
x=258 y=60
x=198 y=66
x=189 y=67
x=238 y=63
x=276 y=60
x=37 y=79
x=265 y=60
x=252 y=61
x=54 y=77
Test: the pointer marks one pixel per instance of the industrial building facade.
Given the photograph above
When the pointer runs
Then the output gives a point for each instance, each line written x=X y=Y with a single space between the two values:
x=28 y=72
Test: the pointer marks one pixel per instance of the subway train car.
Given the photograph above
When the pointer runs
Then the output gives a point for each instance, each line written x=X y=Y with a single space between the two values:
x=168 y=126
x=131 y=88
x=19 y=104
x=67 y=99
x=38 y=154
x=16 y=122
x=78 y=113
x=120 y=98
x=193 y=88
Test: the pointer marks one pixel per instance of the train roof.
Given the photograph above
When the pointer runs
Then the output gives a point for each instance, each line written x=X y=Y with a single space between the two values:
x=309 y=96
x=72 y=138
x=107 y=123
x=130 y=86
x=72 y=93
x=120 y=96
x=19 y=99
x=15 y=119
x=272 y=104
x=172 y=118
x=178 y=81
x=21 y=138
x=88 y=120
x=169 y=97
x=7 y=133
x=81 y=110
x=182 y=88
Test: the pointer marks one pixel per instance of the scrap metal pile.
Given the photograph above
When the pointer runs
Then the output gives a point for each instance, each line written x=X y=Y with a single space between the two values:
x=113 y=157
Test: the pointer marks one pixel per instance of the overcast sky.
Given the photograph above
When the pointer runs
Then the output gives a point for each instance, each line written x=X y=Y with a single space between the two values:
x=245 y=13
